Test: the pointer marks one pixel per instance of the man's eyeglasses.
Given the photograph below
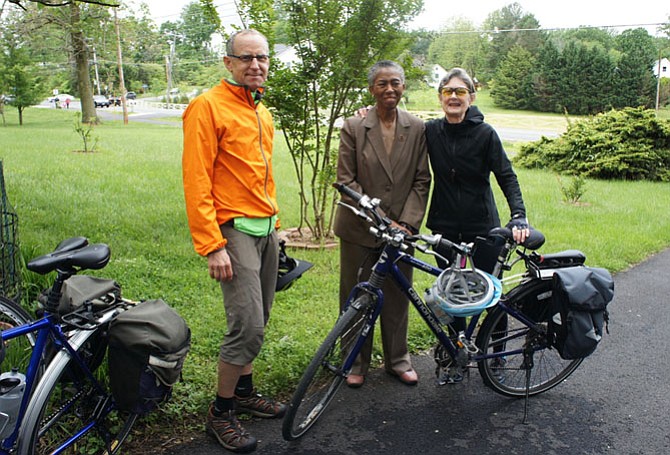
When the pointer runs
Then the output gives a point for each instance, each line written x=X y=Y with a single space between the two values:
x=262 y=58
x=459 y=91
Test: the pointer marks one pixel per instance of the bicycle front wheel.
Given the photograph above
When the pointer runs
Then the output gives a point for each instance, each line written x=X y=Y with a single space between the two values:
x=500 y=332
x=17 y=350
x=325 y=373
x=72 y=411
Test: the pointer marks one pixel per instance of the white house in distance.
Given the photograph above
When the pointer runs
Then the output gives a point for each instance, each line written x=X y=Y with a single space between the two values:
x=663 y=69
x=286 y=54
x=435 y=76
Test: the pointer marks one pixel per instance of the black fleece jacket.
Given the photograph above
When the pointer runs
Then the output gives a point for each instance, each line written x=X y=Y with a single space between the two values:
x=462 y=157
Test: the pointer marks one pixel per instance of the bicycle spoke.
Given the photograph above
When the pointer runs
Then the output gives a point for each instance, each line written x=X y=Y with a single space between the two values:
x=507 y=339
x=326 y=372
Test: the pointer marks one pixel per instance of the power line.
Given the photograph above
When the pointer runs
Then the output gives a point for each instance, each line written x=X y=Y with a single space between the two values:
x=552 y=29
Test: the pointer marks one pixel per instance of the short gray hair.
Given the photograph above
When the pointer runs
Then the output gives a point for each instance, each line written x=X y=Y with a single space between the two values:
x=247 y=31
x=462 y=75
x=383 y=64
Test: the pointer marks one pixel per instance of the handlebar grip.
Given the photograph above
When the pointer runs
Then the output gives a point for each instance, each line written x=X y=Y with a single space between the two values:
x=534 y=241
x=355 y=195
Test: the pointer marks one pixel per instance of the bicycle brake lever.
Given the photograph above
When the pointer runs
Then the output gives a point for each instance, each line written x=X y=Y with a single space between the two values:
x=357 y=212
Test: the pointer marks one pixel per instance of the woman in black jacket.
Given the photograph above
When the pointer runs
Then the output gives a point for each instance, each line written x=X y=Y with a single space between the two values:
x=464 y=151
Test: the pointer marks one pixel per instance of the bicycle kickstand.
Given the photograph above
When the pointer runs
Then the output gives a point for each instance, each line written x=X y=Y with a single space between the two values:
x=528 y=365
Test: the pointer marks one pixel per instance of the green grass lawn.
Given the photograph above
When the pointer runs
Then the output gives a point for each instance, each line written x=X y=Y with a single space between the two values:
x=128 y=195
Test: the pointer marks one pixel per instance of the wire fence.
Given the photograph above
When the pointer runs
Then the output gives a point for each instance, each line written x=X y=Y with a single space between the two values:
x=10 y=266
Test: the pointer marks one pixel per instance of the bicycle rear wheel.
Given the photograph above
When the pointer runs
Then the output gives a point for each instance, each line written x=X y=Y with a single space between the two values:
x=71 y=410
x=501 y=332
x=17 y=350
x=325 y=373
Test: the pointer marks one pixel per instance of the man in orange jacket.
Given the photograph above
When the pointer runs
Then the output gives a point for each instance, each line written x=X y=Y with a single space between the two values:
x=232 y=214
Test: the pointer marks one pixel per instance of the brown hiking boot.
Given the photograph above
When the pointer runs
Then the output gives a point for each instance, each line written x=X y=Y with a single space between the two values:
x=228 y=431
x=260 y=406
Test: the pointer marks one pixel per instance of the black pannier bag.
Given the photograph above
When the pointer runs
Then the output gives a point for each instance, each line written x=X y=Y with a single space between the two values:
x=579 y=309
x=147 y=347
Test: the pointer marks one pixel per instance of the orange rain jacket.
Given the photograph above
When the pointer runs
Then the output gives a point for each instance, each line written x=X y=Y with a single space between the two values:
x=227 y=162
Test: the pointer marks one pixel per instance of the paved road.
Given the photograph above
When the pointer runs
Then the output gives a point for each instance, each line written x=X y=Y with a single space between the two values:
x=615 y=403
x=139 y=112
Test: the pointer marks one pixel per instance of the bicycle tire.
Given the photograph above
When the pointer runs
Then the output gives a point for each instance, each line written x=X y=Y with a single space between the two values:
x=500 y=331
x=17 y=350
x=324 y=376
x=66 y=401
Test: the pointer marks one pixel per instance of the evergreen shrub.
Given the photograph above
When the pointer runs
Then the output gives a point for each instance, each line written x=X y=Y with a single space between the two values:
x=627 y=144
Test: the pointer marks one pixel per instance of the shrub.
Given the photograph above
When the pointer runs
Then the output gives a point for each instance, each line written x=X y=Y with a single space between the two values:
x=629 y=144
x=573 y=191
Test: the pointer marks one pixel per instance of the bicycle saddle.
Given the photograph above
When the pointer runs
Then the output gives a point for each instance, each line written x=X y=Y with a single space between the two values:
x=91 y=257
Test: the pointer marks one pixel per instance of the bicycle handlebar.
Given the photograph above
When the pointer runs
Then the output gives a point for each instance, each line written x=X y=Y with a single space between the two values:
x=369 y=205
x=381 y=224
x=369 y=208
x=533 y=242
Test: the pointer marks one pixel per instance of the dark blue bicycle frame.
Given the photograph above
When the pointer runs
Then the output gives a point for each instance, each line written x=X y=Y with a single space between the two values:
x=387 y=265
x=45 y=328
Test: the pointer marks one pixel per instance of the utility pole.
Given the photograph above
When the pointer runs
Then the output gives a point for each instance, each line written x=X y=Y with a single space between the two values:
x=95 y=65
x=658 y=82
x=168 y=69
x=122 y=84
x=169 y=63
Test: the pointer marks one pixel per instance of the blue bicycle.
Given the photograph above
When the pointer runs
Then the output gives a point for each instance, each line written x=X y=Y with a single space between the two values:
x=511 y=346
x=53 y=398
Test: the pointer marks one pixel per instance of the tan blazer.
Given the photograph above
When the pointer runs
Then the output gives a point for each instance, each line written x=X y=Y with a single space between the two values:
x=400 y=179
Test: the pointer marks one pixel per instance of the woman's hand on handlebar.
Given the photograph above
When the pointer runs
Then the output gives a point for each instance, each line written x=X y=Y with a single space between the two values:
x=520 y=229
x=400 y=227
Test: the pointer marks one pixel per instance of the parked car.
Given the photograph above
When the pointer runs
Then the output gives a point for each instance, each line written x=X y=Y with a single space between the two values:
x=7 y=99
x=131 y=95
x=101 y=101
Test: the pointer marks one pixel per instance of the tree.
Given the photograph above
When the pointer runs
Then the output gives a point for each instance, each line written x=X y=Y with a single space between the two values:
x=634 y=77
x=512 y=87
x=70 y=26
x=511 y=27
x=547 y=80
x=143 y=49
x=66 y=2
x=196 y=29
x=81 y=57
x=16 y=77
x=190 y=38
x=458 y=45
x=421 y=41
x=336 y=41
x=585 y=78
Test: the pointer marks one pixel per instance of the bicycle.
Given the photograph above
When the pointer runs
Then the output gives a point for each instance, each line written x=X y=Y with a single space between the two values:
x=511 y=346
x=65 y=398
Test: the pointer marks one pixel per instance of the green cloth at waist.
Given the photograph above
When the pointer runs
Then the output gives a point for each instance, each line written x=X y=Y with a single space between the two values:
x=258 y=227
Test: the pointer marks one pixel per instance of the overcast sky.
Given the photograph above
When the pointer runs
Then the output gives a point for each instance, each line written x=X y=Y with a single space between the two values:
x=550 y=14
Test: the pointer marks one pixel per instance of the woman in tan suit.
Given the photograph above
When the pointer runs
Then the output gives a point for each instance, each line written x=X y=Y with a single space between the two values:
x=384 y=156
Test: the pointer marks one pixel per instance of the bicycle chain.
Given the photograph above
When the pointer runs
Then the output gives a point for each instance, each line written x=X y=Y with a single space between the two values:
x=74 y=398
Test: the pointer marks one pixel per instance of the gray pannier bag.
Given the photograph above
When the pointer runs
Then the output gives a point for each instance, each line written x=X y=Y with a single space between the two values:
x=147 y=347
x=82 y=288
x=579 y=310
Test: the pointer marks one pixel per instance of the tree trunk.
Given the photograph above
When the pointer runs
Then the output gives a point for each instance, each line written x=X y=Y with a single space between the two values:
x=88 y=113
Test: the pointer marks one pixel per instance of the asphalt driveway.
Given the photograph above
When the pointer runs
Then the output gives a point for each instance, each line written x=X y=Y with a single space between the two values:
x=615 y=403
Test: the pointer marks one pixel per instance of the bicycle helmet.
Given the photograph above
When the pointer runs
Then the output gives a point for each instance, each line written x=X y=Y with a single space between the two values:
x=289 y=269
x=465 y=292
